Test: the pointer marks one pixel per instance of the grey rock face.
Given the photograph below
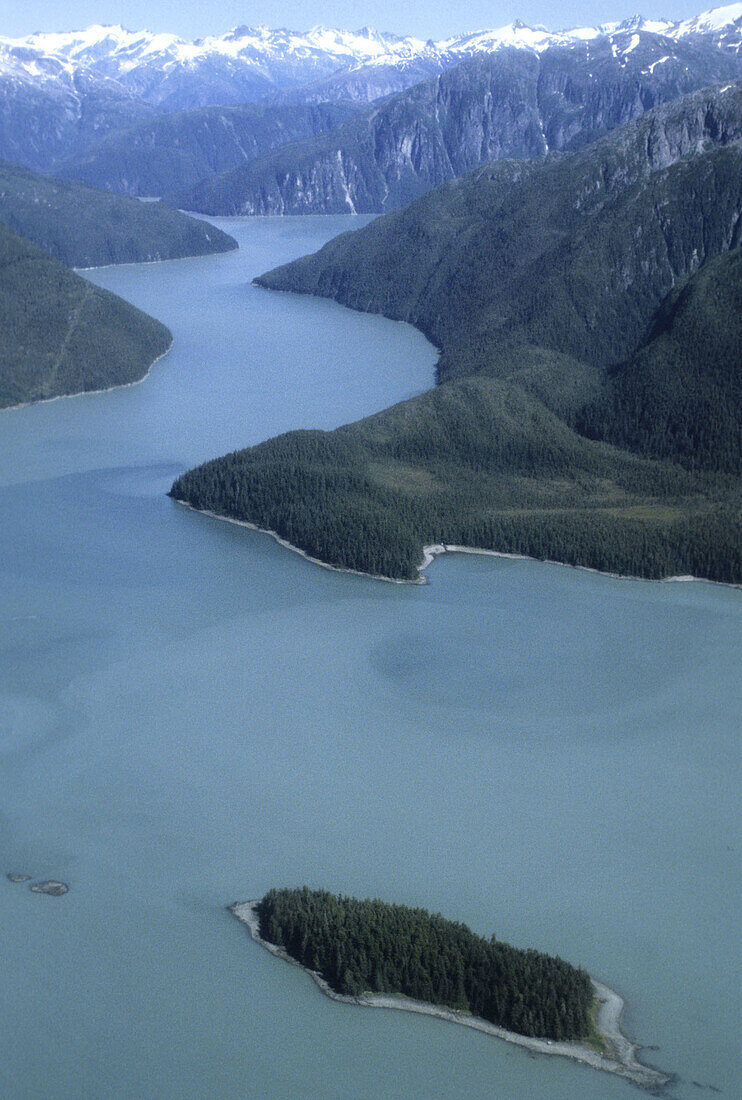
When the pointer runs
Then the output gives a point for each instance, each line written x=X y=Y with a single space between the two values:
x=175 y=151
x=513 y=104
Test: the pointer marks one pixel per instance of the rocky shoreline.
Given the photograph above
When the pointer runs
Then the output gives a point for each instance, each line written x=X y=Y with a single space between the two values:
x=620 y=1057
x=430 y=553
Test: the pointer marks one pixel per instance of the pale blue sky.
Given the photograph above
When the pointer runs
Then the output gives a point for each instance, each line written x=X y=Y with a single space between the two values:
x=433 y=18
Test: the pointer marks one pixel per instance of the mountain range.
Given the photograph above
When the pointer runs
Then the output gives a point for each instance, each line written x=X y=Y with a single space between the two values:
x=248 y=64
x=564 y=224
x=62 y=93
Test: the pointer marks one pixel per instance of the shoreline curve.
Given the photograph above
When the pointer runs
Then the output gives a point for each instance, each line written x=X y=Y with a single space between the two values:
x=621 y=1061
x=430 y=553
x=93 y=393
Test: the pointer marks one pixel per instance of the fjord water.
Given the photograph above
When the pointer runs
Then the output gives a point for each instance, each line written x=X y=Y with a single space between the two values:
x=190 y=714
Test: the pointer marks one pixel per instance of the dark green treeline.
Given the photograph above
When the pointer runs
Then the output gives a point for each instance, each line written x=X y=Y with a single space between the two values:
x=360 y=946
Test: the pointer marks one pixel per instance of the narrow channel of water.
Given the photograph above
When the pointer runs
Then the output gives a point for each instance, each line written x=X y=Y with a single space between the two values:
x=190 y=714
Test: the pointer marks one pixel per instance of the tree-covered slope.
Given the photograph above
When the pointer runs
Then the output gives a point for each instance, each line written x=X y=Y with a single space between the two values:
x=572 y=253
x=360 y=946
x=59 y=334
x=513 y=103
x=84 y=227
x=171 y=153
x=680 y=395
x=478 y=462
x=534 y=279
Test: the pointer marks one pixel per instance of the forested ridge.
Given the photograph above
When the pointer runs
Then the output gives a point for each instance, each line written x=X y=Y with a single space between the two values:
x=371 y=946
x=85 y=227
x=680 y=395
x=572 y=254
x=59 y=334
x=370 y=496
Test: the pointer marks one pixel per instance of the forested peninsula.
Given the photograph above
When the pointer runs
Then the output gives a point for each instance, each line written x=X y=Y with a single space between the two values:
x=391 y=956
x=587 y=308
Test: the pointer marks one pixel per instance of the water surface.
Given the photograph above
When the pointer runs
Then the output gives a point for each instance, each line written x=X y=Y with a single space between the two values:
x=190 y=714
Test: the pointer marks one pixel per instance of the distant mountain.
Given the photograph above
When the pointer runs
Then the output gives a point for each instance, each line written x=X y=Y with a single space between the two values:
x=61 y=92
x=51 y=109
x=512 y=103
x=250 y=63
x=173 y=152
x=83 y=227
x=245 y=65
x=62 y=335
x=596 y=290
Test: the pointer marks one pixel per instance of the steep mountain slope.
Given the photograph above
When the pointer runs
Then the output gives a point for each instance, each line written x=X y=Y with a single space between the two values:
x=87 y=228
x=175 y=151
x=572 y=253
x=512 y=103
x=534 y=278
x=680 y=395
x=59 y=334
x=49 y=111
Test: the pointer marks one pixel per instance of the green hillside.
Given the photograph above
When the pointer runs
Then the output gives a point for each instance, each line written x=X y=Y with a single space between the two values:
x=680 y=395
x=84 y=227
x=572 y=253
x=475 y=463
x=59 y=334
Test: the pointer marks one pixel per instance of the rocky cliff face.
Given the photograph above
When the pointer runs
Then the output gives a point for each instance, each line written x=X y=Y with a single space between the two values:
x=44 y=121
x=176 y=150
x=512 y=104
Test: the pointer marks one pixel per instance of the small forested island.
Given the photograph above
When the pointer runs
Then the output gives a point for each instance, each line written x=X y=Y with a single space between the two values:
x=391 y=956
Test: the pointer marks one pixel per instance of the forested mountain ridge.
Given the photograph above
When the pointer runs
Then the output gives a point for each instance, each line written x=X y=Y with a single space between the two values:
x=538 y=281
x=511 y=104
x=84 y=227
x=573 y=253
x=477 y=462
x=61 y=335
x=173 y=151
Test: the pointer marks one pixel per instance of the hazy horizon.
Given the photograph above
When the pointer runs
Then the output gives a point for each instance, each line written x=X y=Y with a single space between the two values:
x=439 y=19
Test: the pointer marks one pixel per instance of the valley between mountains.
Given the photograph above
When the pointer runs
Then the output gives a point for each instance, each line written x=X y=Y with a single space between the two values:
x=588 y=411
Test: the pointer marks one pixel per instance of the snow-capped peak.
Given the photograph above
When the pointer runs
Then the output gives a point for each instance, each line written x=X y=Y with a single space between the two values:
x=283 y=58
x=712 y=22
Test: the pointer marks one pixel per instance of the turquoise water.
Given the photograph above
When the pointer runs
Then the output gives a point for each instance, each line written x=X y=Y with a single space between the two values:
x=190 y=714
